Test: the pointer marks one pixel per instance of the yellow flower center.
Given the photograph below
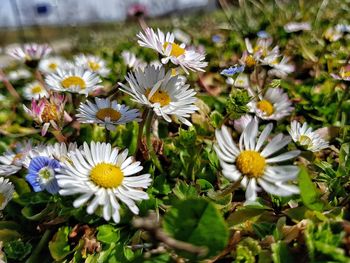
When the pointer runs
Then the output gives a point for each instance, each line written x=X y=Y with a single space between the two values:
x=37 y=89
x=49 y=113
x=305 y=140
x=251 y=163
x=250 y=61
x=2 y=199
x=93 y=66
x=160 y=96
x=266 y=107
x=73 y=81
x=108 y=113
x=173 y=72
x=176 y=50
x=107 y=175
x=53 y=66
x=344 y=73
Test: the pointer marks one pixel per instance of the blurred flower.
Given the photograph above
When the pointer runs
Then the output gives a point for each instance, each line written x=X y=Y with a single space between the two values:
x=263 y=34
x=136 y=10
x=132 y=61
x=281 y=69
x=253 y=163
x=164 y=93
x=34 y=90
x=102 y=175
x=229 y=72
x=6 y=192
x=106 y=113
x=343 y=28
x=48 y=112
x=332 y=34
x=242 y=81
x=41 y=174
x=292 y=27
x=241 y=123
x=177 y=54
x=344 y=73
x=12 y=161
x=273 y=105
x=19 y=74
x=92 y=63
x=182 y=36
x=217 y=39
x=51 y=64
x=305 y=137
x=75 y=80
x=30 y=54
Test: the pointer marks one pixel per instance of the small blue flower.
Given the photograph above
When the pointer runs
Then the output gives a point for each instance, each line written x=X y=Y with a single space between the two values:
x=232 y=70
x=263 y=34
x=41 y=174
x=216 y=38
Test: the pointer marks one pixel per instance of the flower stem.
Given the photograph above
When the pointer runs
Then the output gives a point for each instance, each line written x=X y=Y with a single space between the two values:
x=107 y=135
x=148 y=128
x=340 y=103
x=9 y=86
x=228 y=190
x=59 y=136
x=37 y=251
x=140 y=132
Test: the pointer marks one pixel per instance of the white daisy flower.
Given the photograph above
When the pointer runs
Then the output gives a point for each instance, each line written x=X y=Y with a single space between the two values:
x=92 y=63
x=30 y=53
x=292 y=27
x=273 y=105
x=282 y=68
x=19 y=74
x=252 y=162
x=6 y=191
x=51 y=64
x=106 y=113
x=103 y=176
x=305 y=137
x=35 y=90
x=132 y=61
x=242 y=81
x=164 y=93
x=177 y=54
x=76 y=80
x=57 y=151
x=12 y=161
x=241 y=123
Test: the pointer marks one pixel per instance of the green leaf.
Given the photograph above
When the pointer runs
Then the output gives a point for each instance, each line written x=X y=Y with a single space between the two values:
x=244 y=214
x=308 y=193
x=216 y=119
x=280 y=253
x=7 y=235
x=58 y=246
x=182 y=190
x=161 y=185
x=108 y=234
x=344 y=160
x=20 y=184
x=198 y=222
x=17 y=249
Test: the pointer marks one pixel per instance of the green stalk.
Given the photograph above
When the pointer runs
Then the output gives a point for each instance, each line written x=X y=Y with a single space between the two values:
x=140 y=131
x=148 y=128
x=42 y=243
x=341 y=101
x=107 y=135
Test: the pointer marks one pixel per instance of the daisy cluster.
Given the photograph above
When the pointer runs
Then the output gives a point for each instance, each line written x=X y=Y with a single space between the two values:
x=100 y=175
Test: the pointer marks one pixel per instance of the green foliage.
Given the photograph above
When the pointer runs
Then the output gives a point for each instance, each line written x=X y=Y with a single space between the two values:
x=198 y=222
x=17 y=249
x=236 y=104
x=308 y=191
x=323 y=242
x=58 y=246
